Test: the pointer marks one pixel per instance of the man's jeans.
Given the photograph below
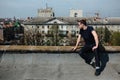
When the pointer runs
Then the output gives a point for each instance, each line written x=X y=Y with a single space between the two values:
x=87 y=54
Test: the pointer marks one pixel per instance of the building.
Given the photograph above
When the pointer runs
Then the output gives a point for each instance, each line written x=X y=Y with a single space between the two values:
x=65 y=28
x=76 y=13
x=70 y=23
x=48 y=12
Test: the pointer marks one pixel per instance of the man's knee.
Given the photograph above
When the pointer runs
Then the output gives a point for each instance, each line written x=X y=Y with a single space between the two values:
x=81 y=54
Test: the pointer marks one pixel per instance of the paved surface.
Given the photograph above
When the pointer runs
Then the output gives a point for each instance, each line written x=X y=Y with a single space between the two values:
x=45 y=66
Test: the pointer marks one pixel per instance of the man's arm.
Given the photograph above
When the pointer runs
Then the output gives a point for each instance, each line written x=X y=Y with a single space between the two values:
x=77 y=43
x=96 y=40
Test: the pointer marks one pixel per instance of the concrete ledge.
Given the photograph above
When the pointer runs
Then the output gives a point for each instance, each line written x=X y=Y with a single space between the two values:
x=50 y=48
x=112 y=48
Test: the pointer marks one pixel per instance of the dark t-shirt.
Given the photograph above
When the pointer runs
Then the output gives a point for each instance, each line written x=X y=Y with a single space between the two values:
x=87 y=35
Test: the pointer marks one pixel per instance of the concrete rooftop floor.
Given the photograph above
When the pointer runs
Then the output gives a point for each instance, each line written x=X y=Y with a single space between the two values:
x=51 y=66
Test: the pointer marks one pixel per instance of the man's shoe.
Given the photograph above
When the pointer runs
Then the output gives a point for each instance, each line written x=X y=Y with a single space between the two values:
x=97 y=72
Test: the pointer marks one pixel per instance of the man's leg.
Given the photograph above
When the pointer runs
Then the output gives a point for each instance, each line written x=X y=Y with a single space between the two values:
x=97 y=58
x=84 y=55
x=97 y=62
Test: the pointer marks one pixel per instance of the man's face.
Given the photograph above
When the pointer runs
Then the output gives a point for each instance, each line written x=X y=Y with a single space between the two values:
x=80 y=25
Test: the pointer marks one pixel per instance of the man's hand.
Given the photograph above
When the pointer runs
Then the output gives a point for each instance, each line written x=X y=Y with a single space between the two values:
x=74 y=48
x=95 y=47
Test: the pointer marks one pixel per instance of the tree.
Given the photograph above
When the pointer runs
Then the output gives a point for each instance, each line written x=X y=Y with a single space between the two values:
x=104 y=35
x=107 y=35
x=54 y=30
x=115 y=39
x=100 y=32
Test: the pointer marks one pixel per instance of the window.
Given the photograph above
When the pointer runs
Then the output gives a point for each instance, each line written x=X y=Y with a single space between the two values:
x=42 y=27
x=37 y=26
x=49 y=32
x=76 y=14
x=43 y=32
x=48 y=26
x=77 y=31
x=61 y=26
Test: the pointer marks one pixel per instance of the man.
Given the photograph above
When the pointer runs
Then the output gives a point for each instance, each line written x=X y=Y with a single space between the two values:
x=91 y=44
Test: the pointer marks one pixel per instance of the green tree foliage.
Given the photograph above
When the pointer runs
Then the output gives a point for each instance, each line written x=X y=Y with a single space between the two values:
x=104 y=34
x=100 y=32
x=115 y=39
x=54 y=30
x=107 y=35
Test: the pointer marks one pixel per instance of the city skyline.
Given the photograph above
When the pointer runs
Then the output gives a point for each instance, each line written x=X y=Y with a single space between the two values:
x=28 y=8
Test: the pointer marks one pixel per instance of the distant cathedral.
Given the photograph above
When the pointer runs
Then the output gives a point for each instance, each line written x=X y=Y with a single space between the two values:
x=47 y=12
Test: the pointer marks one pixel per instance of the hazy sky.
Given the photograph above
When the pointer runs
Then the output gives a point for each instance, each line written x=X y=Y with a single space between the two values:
x=25 y=8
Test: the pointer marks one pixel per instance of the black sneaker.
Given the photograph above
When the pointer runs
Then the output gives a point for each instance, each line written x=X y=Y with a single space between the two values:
x=97 y=72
